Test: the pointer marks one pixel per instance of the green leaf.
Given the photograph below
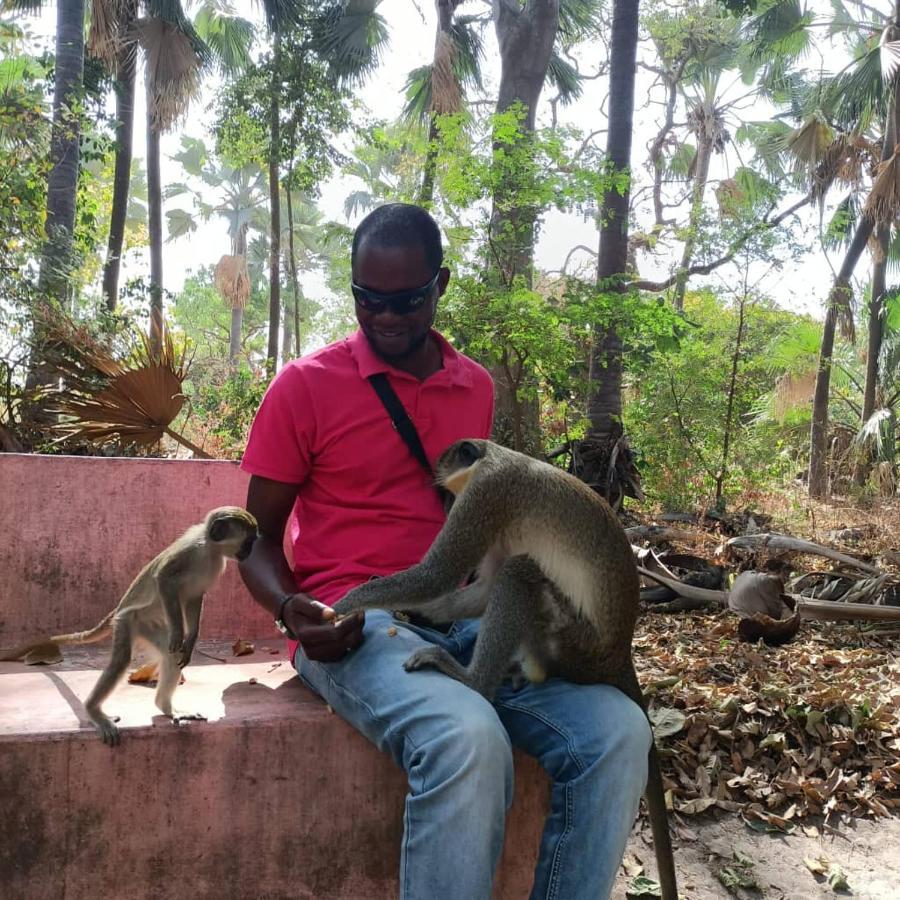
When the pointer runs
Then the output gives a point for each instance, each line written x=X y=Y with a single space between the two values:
x=643 y=888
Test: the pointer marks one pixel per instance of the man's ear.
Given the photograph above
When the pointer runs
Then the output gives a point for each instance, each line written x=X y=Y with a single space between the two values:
x=443 y=280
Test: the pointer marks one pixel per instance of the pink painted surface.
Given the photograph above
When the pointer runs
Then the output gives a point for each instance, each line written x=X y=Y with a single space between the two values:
x=76 y=530
x=272 y=797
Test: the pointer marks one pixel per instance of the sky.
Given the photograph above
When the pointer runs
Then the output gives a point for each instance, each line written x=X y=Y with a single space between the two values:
x=800 y=286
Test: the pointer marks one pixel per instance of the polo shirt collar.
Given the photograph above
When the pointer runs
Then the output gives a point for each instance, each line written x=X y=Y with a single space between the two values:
x=453 y=372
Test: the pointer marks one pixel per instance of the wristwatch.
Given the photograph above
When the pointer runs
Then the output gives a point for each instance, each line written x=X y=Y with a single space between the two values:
x=280 y=624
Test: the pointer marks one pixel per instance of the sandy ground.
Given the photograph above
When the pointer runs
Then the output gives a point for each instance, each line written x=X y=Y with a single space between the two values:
x=867 y=851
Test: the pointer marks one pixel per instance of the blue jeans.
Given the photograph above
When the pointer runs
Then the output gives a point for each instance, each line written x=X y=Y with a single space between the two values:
x=456 y=749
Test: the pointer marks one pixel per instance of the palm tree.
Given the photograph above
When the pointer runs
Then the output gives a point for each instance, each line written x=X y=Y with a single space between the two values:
x=241 y=200
x=347 y=34
x=62 y=182
x=604 y=452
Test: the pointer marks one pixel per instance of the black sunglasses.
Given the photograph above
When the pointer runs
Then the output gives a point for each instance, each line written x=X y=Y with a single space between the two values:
x=400 y=303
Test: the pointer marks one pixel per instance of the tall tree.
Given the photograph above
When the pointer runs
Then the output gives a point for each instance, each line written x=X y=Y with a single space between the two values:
x=604 y=453
x=62 y=183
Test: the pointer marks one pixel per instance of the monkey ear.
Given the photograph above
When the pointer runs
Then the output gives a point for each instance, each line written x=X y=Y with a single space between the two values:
x=468 y=453
x=218 y=530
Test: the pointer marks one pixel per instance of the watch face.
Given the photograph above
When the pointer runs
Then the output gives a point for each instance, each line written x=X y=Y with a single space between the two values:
x=281 y=626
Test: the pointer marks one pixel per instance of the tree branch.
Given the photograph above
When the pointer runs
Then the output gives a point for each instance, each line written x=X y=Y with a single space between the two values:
x=706 y=268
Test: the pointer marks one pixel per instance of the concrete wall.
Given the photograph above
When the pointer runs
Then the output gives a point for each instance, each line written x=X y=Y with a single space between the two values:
x=76 y=530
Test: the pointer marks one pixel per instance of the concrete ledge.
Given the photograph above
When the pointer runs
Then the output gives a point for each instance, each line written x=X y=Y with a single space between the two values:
x=273 y=797
x=78 y=529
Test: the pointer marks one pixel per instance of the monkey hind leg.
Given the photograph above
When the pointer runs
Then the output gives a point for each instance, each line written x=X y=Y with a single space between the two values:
x=510 y=617
x=109 y=678
x=169 y=679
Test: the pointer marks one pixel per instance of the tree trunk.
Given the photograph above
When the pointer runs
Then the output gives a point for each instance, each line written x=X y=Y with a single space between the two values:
x=873 y=344
x=604 y=448
x=275 y=211
x=125 y=87
x=732 y=386
x=292 y=258
x=526 y=35
x=154 y=221
x=429 y=167
x=818 y=433
x=62 y=183
x=238 y=248
x=704 y=155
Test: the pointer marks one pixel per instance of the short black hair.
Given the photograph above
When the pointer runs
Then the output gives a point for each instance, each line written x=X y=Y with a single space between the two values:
x=400 y=225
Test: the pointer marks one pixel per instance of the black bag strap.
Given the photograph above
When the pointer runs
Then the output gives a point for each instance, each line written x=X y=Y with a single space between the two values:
x=400 y=419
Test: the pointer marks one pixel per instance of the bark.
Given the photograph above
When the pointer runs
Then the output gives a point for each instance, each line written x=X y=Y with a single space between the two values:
x=704 y=155
x=604 y=406
x=275 y=212
x=154 y=221
x=292 y=258
x=238 y=248
x=125 y=87
x=429 y=167
x=732 y=387
x=62 y=183
x=525 y=35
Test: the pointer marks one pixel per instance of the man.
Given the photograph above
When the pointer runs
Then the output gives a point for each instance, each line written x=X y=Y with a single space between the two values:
x=326 y=462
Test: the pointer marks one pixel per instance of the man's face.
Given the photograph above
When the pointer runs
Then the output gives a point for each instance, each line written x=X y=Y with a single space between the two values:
x=395 y=336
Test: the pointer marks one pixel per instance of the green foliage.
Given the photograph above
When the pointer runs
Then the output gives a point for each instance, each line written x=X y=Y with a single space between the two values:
x=222 y=407
x=676 y=405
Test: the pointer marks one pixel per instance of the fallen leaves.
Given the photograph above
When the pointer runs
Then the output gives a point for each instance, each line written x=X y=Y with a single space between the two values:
x=148 y=674
x=777 y=734
x=242 y=648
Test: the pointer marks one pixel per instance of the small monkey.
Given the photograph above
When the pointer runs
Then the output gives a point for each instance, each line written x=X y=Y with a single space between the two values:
x=557 y=588
x=162 y=608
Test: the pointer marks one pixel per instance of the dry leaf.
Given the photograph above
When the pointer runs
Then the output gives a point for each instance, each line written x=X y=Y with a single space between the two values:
x=45 y=654
x=666 y=722
x=817 y=865
x=632 y=865
x=146 y=674
x=242 y=648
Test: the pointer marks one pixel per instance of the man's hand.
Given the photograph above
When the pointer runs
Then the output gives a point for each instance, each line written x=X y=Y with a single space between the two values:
x=321 y=638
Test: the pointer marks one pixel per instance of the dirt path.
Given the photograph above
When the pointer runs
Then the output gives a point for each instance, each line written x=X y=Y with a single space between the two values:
x=868 y=852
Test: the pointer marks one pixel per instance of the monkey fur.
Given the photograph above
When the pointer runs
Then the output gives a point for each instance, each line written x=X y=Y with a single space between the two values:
x=557 y=588
x=161 y=608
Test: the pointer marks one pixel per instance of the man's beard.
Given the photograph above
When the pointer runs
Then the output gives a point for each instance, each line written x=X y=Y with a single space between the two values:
x=414 y=345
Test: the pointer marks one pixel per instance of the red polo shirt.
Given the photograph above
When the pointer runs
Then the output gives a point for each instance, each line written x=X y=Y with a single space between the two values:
x=365 y=505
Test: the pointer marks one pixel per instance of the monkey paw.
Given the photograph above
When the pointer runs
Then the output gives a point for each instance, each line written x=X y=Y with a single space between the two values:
x=108 y=732
x=180 y=717
x=430 y=658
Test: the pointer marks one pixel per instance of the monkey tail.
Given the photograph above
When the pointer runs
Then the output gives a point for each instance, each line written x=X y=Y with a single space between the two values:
x=46 y=646
x=102 y=630
x=655 y=796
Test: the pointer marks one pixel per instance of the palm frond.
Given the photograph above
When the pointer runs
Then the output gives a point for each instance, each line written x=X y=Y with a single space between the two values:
x=281 y=14
x=578 y=19
x=883 y=202
x=854 y=98
x=232 y=281
x=351 y=35
x=843 y=221
x=877 y=434
x=418 y=95
x=841 y=299
x=780 y=30
x=446 y=96
x=135 y=398
x=809 y=143
x=172 y=70
x=469 y=50
x=228 y=37
x=565 y=78
x=793 y=391
x=106 y=36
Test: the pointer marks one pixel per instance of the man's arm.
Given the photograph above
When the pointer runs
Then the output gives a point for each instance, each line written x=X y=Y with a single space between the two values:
x=269 y=578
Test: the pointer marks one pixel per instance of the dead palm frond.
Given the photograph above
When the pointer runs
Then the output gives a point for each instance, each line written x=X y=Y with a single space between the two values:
x=232 y=281
x=841 y=298
x=793 y=391
x=105 y=37
x=135 y=398
x=809 y=143
x=883 y=203
x=446 y=95
x=172 y=69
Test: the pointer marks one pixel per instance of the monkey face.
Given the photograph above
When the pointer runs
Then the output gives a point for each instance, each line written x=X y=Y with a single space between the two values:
x=246 y=547
x=456 y=464
x=233 y=528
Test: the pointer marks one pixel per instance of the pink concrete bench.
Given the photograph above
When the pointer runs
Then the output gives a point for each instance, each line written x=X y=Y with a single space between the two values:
x=271 y=797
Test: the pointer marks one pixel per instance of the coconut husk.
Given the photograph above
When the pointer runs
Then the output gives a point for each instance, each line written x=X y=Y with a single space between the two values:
x=883 y=202
x=446 y=96
x=792 y=392
x=232 y=281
